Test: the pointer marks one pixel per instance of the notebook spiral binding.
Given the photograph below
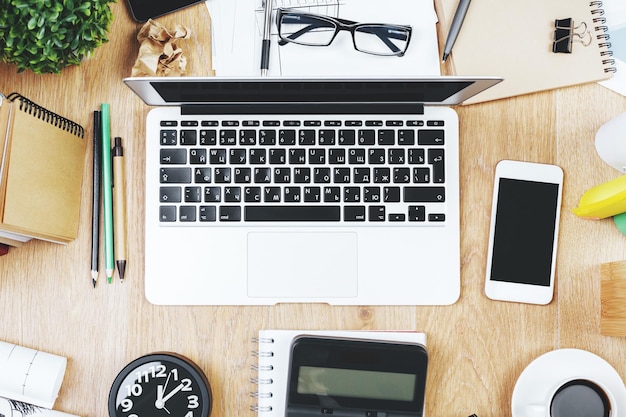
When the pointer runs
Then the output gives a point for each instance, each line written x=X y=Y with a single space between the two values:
x=599 y=23
x=47 y=116
x=262 y=381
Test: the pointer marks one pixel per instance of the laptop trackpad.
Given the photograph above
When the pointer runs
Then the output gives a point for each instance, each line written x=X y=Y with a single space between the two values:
x=302 y=265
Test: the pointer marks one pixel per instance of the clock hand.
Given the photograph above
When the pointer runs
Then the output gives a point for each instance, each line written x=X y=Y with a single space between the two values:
x=172 y=392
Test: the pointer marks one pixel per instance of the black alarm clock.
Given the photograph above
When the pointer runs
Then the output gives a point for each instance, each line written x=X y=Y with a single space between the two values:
x=160 y=384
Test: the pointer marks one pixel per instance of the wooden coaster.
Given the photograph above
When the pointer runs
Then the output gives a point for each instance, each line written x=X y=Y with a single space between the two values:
x=613 y=299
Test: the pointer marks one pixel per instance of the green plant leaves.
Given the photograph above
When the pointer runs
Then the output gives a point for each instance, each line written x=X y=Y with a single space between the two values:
x=48 y=35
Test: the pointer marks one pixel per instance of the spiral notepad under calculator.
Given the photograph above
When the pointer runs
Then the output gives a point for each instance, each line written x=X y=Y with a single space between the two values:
x=281 y=190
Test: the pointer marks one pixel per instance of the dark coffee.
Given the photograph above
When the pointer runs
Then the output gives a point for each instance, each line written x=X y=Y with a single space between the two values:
x=580 y=398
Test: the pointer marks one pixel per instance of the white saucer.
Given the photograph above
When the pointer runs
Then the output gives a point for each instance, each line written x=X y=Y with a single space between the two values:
x=542 y=374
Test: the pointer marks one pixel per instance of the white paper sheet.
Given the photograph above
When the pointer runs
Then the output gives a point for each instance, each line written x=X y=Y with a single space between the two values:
x=615 y=13
x=29 y=375
x=12 y=408
x=238 y=27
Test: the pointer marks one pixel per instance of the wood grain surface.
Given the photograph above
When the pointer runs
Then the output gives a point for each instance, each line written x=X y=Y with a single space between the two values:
x=477 y=347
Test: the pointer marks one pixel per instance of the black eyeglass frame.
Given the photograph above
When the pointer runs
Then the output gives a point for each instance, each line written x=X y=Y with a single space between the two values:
x=343 y=25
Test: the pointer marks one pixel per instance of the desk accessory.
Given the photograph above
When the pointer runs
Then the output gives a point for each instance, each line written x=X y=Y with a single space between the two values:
x=514 y=40
x=536 y=385
x=160 y=384
x=277 y=363
x=604 y=200
x=119 y=208
x=142 y=10
x=455 y=27
x=107 y=191
x=611 y=142
x=30 y=375
x=96 y=194
x=565 y=33
x=613 y=298
x=266 y=42
x=41 y=173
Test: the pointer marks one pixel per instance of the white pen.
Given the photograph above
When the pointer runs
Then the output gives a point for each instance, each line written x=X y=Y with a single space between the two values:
x=265 y=46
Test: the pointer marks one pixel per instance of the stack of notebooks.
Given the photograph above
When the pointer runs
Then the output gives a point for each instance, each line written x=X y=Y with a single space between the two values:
x=41 y=173
x=514 y=40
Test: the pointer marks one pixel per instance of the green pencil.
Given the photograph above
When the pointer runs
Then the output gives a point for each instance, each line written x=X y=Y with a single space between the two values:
x=107 y=190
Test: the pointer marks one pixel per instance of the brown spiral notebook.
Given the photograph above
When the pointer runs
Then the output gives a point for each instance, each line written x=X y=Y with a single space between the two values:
x=41 y=172
x=515 y=39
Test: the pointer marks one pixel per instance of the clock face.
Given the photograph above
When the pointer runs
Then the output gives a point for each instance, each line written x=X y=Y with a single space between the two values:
x=160 y=384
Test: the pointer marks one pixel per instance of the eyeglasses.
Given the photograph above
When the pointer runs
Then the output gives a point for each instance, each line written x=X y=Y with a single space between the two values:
x=318 y=30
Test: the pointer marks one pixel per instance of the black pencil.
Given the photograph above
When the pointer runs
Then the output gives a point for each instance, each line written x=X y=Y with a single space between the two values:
x=95 y=224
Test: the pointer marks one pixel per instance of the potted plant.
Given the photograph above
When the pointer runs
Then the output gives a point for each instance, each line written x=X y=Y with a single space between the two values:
x=46 y=36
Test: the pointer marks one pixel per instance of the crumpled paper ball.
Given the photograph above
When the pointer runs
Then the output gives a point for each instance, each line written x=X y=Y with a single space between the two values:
x=159 y=54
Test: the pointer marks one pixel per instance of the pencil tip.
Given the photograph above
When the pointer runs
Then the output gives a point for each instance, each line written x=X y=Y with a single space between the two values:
x=443 y=59
x=121 y=269
x=94 y=283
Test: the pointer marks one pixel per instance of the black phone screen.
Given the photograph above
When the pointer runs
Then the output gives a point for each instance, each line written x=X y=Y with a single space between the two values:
x=143 y=10
x=523 y=240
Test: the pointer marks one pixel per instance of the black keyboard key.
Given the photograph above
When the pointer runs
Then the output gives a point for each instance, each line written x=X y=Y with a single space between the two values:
x=278 y=156
x=170 y=195
x=297 y=156
x=197 y=156
x=347 y=137
x=341 y=175
x=352 y=194
x=206 y=213
x=202 y=175
x=421 y=175
x=258 y=156
x=436 y=158
x=217 y=156
x=424 y=194
x=401 y=175
x=292 y=213
x=167 y=214
x=262 y=175
x=332 y=194
x=430 y=137
x=193 y=194
x=228 y=137
x=367 y=137
x=187 y=214
x=230 y=213
x=188 y=137
x=175 y=175
x=208 y=137
x=292 y=195
x=396 y=217
x=271 y=194
x=406 y=137
x=252 y=194
x=287 y=137
x=243 y=175
x=356 y=156
x=222 y=175
x=391 y=194
x=168 y=137
x=267 y=137
x=376 y=156
x=173 y=156
x=336 y=156
x=302 y=175
x=232 y=194
x=386 y=137
x=376 y=213
x=237 y=156
x=354 y=213
x=306 y=137
x=437 y=217
x=312 y=194
x=326 y=137
x=417 y=213
x=371 y=194
x=212 y=194
x=247 y=137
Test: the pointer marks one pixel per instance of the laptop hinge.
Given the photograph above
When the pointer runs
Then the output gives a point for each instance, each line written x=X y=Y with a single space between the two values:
x=302 y=108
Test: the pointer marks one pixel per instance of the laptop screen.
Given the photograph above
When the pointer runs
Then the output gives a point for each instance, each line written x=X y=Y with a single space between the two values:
x=160 y=91
x=277 y=91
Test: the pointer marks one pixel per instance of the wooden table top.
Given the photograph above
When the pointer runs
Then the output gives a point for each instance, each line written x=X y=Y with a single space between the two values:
x=477 y=347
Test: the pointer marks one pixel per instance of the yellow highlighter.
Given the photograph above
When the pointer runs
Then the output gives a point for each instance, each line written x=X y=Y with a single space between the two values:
x=605 y=200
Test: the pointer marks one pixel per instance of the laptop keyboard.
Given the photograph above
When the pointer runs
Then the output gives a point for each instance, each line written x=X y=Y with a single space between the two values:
x=261 y=170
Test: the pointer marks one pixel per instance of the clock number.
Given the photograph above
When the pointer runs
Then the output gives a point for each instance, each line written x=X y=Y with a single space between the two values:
x=189 y=414
x=135 y=390
x=186 y=384
x=193 y=401
x=127 y=404
x=161 y=372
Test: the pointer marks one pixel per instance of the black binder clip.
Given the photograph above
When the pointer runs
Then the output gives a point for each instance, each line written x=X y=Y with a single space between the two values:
x=565 y=34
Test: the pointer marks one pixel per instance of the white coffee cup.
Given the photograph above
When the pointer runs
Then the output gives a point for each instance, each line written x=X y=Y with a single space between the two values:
x=575 y=396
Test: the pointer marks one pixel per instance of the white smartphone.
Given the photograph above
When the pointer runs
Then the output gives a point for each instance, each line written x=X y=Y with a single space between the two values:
x=524 y=230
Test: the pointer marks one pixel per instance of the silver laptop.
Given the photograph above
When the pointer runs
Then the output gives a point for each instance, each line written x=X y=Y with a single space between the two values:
x=273 y=190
